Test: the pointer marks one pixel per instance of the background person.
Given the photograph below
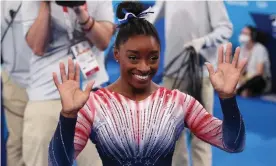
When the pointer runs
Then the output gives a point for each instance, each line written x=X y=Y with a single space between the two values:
x=257 y=75
x=15 y=55
x=54 y=31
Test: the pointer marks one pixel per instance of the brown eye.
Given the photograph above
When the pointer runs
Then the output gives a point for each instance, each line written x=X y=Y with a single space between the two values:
x=132 y=58
x=154 y=58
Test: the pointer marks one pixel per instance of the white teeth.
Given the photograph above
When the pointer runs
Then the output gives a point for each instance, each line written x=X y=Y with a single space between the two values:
x=141 y=77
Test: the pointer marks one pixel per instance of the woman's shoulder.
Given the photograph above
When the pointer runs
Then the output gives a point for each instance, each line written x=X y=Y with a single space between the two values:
x=259 y=47
x=171 y=90
x=181 y=98
x=99 y=92
x=109 y=90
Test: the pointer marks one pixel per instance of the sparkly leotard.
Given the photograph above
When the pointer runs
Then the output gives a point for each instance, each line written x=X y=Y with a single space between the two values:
x=137 y=133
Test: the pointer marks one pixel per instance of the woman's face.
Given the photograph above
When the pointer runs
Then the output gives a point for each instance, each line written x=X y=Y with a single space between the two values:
x=246 y=31
x=245 y=35
x=139 y=60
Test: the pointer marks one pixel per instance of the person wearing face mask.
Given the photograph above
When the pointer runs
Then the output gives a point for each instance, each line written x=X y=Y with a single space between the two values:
x=257 y=76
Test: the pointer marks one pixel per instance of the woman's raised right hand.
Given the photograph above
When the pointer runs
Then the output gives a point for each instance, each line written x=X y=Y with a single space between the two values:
x=72 y=97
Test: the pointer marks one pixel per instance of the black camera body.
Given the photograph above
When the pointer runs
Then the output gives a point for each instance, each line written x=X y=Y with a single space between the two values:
x=70 y=3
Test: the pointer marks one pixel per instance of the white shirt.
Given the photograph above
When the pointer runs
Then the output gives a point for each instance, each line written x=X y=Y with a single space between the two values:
x=16 y=52
x=188 y=20
x=258 y=55
x=41 y=85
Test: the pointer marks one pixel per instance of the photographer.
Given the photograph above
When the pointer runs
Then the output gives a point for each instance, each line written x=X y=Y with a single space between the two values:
x=55 y=32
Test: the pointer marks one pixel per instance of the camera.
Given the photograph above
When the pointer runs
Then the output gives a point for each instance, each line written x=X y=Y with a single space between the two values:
x=70 y=3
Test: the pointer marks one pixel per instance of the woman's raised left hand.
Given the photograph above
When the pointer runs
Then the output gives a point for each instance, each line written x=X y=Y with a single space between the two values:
x=227 y=75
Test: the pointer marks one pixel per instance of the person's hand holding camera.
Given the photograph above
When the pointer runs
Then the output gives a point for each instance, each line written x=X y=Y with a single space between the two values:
x=85 y=20
x=102 y=31
x=80 y=9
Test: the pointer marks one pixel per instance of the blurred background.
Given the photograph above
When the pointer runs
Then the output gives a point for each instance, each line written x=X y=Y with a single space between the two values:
x=259 y=112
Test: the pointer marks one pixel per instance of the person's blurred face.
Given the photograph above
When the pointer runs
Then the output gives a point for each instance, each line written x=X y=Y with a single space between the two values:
x=139 y=60
x=245 y=36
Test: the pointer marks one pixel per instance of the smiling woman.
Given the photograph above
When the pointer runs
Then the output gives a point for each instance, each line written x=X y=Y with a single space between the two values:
x=139 y=60
x=134 y=121
x=137 y=47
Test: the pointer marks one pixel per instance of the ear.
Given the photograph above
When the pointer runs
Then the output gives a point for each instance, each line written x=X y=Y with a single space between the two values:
x=116 y=53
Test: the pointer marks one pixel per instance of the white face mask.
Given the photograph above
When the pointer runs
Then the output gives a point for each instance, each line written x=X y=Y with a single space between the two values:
x=244 y=39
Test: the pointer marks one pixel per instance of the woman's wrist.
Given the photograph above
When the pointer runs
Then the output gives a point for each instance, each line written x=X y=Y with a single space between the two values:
x=69 y=114
x=226 y=96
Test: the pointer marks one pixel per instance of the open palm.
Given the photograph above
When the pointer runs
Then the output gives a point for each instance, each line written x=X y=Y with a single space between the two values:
x=72 y=97
x=227 y=75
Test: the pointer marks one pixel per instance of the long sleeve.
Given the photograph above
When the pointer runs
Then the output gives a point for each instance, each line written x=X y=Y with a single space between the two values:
x=220 y=23
x=228 y=135
x=61 y=149
x=70 y=137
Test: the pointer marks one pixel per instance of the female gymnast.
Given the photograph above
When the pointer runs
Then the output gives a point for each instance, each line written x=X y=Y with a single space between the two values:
x=135 y=122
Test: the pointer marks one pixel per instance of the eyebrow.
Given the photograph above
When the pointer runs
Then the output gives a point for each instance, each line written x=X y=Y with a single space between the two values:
x=154 y=52
x=137 y=52
x=133 y=51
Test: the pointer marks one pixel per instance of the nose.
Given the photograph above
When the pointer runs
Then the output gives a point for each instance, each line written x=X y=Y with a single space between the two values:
x=144 y=67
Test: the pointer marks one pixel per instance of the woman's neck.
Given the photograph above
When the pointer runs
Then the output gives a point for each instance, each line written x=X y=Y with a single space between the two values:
x=123 y=87
x=250 y=45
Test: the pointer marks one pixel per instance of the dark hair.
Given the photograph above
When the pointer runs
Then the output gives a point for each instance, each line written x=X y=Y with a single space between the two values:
x=258 y=35
x=133 y=26
x=253 y=32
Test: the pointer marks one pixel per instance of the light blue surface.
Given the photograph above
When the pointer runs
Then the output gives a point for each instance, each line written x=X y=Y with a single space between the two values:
x=259 y=117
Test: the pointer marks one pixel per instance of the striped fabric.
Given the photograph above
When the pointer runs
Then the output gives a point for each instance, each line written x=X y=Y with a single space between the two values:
x=128 y=132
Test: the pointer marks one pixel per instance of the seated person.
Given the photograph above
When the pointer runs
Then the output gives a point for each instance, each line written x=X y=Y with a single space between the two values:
x=256 y=77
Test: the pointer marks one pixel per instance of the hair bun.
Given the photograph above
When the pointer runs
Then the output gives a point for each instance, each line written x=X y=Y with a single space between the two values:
x=129 y=6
